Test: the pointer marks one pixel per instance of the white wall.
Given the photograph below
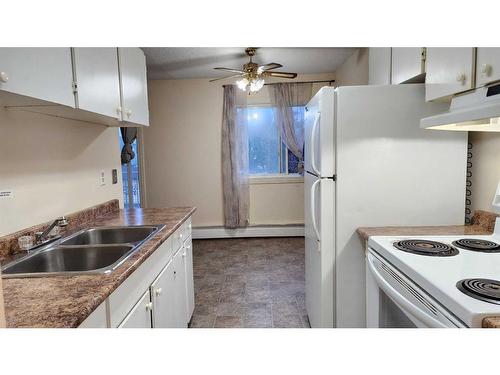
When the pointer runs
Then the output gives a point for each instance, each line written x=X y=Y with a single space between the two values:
x=354 y=71
x=485 y=168
x=182 y=150
x=53 y=166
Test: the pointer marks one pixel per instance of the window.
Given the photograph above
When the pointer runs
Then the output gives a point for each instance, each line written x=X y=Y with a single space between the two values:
x=267 y=154
x=131 y=178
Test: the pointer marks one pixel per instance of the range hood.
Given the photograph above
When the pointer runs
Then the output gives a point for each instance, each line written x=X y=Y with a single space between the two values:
x=478 y=110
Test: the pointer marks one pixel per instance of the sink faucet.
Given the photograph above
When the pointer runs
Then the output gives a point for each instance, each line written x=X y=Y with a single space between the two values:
x=41 y=236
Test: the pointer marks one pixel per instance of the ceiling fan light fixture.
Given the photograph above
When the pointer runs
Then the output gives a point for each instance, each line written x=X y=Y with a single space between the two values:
x=242 y=84
x=256 y=84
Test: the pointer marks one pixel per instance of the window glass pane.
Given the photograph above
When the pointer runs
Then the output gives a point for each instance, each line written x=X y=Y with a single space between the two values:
x=263 y=140
x=136 y=192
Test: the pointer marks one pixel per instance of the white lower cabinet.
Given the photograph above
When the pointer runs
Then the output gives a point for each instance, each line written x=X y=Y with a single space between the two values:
x=163 y=297
x=180 y=302
x=158 y=294
x=140 y=315
x=188 y=265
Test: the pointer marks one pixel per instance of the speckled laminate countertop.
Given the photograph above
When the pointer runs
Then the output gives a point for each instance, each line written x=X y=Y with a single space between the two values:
x=483 y=223
x=365 y=233
x=66 y=301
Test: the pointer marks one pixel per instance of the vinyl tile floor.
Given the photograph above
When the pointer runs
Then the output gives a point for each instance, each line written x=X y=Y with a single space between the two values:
x=249 y=283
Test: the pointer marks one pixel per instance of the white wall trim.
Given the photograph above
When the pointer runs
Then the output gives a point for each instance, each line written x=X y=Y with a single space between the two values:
x=255 y=231
x=293 y=178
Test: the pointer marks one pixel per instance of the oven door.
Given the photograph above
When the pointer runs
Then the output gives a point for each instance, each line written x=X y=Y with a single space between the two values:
x=393 y=301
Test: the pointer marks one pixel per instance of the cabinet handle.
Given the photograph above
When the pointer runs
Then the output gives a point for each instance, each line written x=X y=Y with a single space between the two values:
x=158 y=291
x=486 y=70
x=118 y=110
x=149 y=306
x=461 y=77
x=180 y=235
x=129 y=112
x=4 y=77
x=184 y=254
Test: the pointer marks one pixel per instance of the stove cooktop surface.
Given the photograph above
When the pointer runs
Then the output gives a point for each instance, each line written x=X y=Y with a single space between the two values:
x=462 y=273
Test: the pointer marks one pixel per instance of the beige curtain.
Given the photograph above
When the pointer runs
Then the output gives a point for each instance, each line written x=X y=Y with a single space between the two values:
x=234 y=159
x=284 y=97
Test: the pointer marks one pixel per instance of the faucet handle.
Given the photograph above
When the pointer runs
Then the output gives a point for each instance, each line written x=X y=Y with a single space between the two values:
x=62 y=221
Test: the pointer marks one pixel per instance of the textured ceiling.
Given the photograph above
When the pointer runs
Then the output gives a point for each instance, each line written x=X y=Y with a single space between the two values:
x=178 y=63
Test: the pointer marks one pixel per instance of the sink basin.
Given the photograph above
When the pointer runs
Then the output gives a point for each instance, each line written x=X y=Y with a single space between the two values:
x=94 y=250
x=110 y=235
x=67 y=259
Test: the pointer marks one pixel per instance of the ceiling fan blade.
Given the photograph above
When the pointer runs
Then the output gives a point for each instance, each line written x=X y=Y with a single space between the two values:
x=269 y=66
x=230 y=70
x=280 y=74
x=218 y=79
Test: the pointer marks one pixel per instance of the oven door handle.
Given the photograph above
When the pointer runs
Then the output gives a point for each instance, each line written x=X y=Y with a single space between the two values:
x=401 y=300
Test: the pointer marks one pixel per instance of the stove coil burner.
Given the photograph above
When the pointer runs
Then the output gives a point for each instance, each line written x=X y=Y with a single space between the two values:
x=478 y=245
x=482 y=289
x=425 y=247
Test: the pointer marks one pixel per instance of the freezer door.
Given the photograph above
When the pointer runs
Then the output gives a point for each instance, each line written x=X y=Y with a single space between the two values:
x=319 y=152
x=319 y=242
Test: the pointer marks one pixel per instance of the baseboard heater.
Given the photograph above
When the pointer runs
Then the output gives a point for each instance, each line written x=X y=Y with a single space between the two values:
x=295 y=230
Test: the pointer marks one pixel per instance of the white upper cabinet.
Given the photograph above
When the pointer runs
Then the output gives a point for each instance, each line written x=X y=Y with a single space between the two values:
x=97 y=80
x=379 y=66
x=488 y=65
x=41 y=73
x=407 y=64
x=448 y=71
x=133 y=80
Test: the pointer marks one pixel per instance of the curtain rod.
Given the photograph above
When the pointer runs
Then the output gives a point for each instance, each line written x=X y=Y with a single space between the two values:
x=274 y=83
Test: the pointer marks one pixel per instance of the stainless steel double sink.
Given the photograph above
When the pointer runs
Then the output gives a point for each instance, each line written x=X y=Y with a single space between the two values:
x=89 y=251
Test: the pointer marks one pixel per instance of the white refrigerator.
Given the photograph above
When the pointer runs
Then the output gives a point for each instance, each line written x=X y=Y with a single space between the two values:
x=368 y=163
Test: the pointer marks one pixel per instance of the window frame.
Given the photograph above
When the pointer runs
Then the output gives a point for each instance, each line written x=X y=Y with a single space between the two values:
x=272 y=176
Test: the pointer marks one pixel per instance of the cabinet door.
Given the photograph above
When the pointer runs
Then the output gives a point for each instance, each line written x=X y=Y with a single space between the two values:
x=180 y=302
x=407 y=63
x=488 y=65
x=379 y=66
x=133 y=85
x=97 y=79
x=41 y=73
x=163 y=296
x=188 y=266
x=140 y=315
x=448 y=71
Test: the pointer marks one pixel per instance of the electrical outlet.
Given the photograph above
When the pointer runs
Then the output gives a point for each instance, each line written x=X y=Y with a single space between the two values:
x=102 y=178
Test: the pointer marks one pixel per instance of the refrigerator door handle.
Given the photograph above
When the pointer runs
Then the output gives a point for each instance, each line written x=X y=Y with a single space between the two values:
x=313 y=137
x=313 y=210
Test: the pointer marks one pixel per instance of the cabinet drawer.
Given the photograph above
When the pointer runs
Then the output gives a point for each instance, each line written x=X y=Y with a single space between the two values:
x=186 y=229
x=131 y=290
